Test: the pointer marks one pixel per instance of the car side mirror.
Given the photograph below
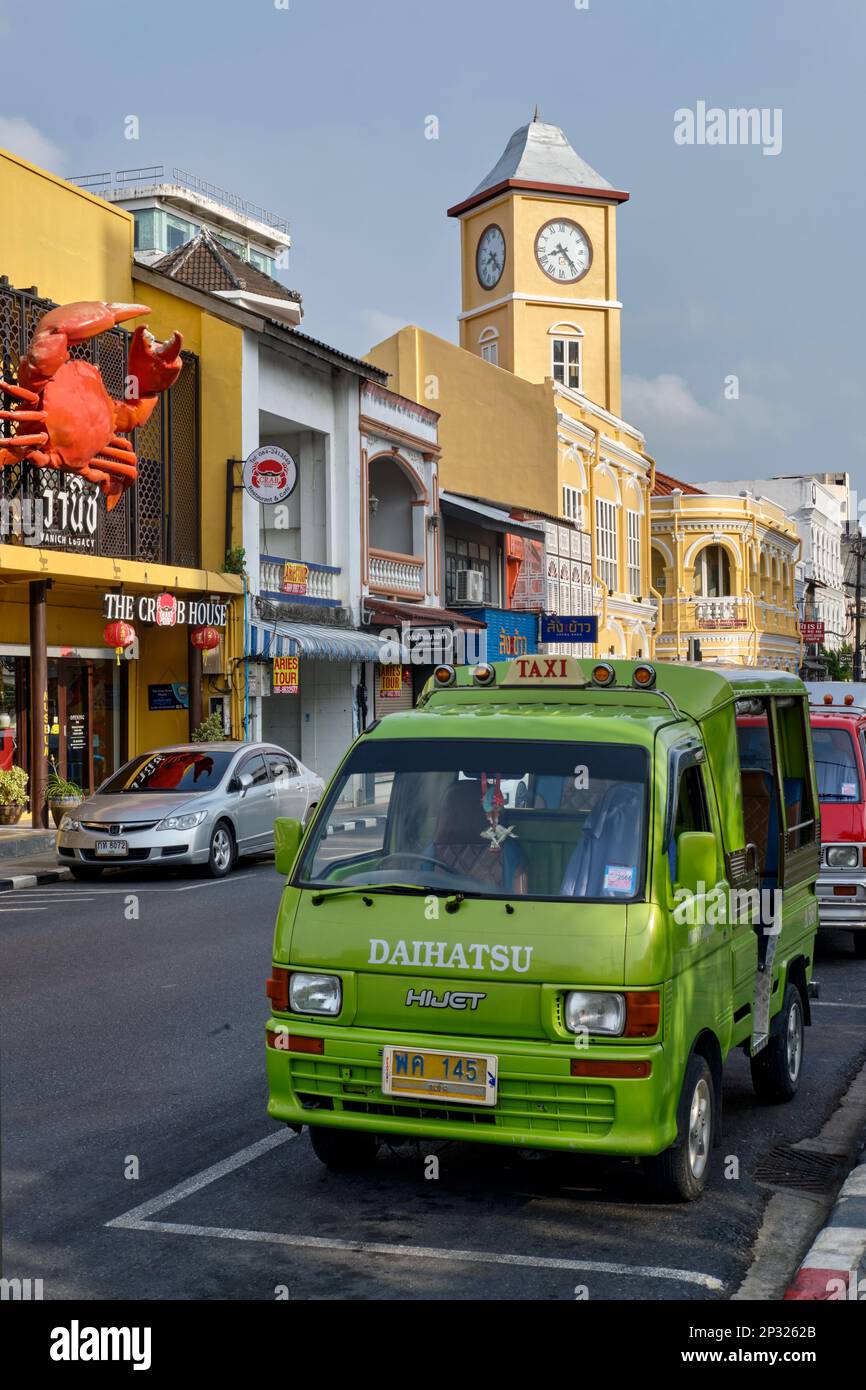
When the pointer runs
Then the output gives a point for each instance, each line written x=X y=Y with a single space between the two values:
x=287 y=841
x=696 y=860
x=244 y=781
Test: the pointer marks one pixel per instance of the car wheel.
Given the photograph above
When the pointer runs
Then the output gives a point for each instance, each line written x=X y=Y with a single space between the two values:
x=222 y=850
x=86 y=873
x=860 y=944
x=776 y=1069
x=680 y=1173
x=343 y=1150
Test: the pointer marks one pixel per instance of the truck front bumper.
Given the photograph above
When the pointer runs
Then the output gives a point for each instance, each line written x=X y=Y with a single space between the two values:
x=845 y=908
x=540 y=1105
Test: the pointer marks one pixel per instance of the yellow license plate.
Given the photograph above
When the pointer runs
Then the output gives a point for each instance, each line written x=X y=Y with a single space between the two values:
x=461 y=1077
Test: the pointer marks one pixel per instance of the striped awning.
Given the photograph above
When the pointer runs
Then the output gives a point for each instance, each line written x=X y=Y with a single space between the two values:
x=313 y=640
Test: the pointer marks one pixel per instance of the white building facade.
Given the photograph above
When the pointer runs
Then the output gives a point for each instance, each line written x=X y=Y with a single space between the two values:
x=819 y=512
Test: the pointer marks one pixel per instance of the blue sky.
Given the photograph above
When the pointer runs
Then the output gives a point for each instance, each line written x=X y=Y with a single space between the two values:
x=730 y=262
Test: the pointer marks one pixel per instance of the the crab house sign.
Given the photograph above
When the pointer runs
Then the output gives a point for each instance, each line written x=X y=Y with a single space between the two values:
x=164 y=610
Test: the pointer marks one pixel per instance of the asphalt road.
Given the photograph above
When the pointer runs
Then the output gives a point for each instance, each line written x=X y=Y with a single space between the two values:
x=132 y=1033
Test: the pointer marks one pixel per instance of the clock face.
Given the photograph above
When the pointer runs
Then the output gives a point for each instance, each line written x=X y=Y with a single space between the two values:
x=563 y=251
x=490 y=257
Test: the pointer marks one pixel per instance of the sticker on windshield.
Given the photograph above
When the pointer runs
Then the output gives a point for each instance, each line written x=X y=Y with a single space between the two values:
x=849 y=788
x=619 y=878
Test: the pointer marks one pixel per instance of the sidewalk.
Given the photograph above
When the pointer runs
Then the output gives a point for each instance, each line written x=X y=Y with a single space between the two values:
x=30 y=870
x=835 y=1266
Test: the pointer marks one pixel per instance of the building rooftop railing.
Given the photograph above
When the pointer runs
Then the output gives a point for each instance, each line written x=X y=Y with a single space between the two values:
x=155 y=175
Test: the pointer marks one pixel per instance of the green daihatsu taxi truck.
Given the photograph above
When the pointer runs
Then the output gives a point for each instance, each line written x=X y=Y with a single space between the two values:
x=541 y=908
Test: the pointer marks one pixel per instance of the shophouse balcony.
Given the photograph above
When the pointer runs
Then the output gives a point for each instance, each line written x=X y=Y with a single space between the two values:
x=298 y=581
x=392 y=573
x=725 y=611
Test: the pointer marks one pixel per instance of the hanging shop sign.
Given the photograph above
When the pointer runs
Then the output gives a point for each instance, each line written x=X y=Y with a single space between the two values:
x=165 y=610
x=286 y=675
x=559 y=628
x=296 y=577
x=161 y=697
x=270 y=474
x=66 y=419
x=811 y=630
x=392 y=679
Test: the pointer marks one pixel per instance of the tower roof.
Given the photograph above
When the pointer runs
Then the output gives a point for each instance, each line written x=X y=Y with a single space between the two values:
x=539 y=156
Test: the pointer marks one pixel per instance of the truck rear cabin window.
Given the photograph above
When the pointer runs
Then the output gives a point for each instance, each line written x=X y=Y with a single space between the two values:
x=490 y=818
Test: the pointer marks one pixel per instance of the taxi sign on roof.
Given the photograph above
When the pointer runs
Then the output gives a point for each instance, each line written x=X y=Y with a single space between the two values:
x=546 y=670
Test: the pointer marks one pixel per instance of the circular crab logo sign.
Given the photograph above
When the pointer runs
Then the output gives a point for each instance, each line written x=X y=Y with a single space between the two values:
x=270 y=474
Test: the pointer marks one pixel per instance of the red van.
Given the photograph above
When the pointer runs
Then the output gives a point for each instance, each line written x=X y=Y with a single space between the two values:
x=838 y=716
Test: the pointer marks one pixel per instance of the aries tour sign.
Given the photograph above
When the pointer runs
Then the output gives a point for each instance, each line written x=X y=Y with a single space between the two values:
x=164 y=610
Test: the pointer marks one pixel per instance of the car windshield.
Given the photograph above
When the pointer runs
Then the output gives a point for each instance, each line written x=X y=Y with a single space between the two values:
x=836 y=765
x=488 y=817
x=182 y=772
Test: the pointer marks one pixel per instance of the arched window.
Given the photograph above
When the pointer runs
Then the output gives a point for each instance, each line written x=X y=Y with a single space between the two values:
x=567 y=354
x=391 y=498
x=488 y=345
x=659 y=572
x=713 y=573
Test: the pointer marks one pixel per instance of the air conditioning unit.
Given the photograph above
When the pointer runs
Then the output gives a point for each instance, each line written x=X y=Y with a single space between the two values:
x=470 y=586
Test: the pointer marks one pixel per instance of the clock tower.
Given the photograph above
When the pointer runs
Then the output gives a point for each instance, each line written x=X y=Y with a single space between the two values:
x=538 y=256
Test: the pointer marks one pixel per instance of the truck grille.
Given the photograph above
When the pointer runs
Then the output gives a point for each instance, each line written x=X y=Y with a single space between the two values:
x=538 y=1106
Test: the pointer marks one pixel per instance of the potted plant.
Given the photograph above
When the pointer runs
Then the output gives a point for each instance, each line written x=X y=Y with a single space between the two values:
x=210 y=730
x=62 y=796
x=13 y=795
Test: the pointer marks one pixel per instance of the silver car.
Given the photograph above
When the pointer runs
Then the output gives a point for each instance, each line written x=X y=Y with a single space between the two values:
x=193 y=803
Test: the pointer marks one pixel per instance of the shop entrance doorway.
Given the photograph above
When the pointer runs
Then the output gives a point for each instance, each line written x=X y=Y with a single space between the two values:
x=82 y=716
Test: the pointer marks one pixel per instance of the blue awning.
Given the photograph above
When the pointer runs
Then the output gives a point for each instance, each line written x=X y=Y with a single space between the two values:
x=316 y=640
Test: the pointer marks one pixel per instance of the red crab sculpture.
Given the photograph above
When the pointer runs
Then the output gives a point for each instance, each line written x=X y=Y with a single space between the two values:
x=66 y=418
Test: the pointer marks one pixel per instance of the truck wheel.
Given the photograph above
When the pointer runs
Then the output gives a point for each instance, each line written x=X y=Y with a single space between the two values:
x=343 y=1150
x=777 y=1067
x=680 y=1173
x=859 y=944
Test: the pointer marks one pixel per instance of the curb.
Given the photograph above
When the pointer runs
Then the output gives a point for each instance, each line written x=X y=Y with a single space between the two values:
x=34 y=880
x=836 y=1262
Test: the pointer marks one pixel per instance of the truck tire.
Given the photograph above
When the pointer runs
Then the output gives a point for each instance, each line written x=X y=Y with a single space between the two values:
x=343 y=1150
x=680 y=1173
x=776 y=1069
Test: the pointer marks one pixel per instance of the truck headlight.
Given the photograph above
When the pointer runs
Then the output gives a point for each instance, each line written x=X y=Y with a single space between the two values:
x=188 y=822
x=843 y=856
x=315 y=994
x=590 y=1011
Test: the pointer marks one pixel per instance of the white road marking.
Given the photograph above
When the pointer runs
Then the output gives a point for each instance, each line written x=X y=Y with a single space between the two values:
x=138 y=1219
x=835 y=1004
x=203 y=1179
x=215 y=882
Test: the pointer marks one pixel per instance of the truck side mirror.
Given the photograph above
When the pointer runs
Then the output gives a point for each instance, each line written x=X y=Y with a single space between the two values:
x=696 y=860
x=287 y=841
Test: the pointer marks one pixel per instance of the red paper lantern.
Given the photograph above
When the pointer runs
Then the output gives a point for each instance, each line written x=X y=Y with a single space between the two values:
x=205 y=638
x=119 y=635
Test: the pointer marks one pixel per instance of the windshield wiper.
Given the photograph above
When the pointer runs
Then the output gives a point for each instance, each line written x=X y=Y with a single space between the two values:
x=366 y=888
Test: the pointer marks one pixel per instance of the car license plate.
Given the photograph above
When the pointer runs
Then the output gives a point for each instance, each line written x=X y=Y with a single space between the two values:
x=466 y=1078
x=112 y=849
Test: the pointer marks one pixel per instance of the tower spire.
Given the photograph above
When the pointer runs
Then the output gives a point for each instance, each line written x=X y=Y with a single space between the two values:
x=535 y=115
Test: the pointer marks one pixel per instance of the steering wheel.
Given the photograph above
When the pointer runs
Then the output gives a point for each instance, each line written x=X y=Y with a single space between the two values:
x=419 y=858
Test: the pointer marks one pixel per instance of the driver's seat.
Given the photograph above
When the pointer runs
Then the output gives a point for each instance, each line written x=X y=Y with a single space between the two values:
x=458 y=842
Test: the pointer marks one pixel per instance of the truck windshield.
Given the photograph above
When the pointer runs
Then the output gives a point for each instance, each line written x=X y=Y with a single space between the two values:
x=559 y=821
x=836 y=765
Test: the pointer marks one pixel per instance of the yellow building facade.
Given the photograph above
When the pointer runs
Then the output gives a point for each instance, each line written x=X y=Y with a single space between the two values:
x=723 y=569
x=530 y=401
x=61 y=245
